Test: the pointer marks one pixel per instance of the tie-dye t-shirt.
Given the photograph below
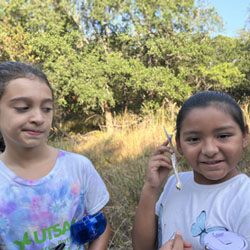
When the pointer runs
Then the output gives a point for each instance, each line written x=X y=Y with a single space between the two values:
x=38 y=214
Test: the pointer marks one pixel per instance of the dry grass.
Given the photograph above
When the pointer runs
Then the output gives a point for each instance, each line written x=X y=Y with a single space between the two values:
x=121 y=158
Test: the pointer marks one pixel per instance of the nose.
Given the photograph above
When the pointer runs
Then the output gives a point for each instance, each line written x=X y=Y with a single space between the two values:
x=37 y=117
x=209 y=148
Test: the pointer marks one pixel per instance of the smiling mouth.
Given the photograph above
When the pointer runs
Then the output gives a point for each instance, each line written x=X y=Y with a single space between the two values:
x=211 y=162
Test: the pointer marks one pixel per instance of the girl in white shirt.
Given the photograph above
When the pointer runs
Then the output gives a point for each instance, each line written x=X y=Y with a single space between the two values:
x=211 y=135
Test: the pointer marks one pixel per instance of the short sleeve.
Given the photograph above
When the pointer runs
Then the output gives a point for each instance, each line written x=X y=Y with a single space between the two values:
x=96 y=194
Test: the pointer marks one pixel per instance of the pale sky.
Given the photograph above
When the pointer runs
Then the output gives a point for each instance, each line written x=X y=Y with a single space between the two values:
x=233 y=12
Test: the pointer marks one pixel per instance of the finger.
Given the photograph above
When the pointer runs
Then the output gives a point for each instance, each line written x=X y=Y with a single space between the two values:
x=163 y=149
x=160 y=161
x=165 y=143
x=168 y=245
x=161 y=158
x=178 y=241
x=187 y=244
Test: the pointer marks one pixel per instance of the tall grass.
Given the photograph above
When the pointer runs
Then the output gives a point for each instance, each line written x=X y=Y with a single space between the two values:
x=121 y=157
x=245 y=163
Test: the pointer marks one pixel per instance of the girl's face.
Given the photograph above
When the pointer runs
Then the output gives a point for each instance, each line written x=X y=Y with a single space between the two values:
x=26 y=113
x=212 y=144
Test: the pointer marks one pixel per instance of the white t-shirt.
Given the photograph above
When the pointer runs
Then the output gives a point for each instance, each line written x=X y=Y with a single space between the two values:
x=38 y=214
x=198 y=209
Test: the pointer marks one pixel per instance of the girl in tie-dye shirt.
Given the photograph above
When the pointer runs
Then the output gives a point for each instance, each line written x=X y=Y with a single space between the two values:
x=43 y=190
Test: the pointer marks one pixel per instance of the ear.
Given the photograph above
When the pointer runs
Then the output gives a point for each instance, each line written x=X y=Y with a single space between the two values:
x=246 y=137
x=178 y=145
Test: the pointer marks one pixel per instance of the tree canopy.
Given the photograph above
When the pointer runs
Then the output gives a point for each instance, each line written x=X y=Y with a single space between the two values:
x=116 y=55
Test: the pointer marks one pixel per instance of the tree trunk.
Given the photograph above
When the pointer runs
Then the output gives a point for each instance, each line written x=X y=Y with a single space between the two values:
x=108 y=118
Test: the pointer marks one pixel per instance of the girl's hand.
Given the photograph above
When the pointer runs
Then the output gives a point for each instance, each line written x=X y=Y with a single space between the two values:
x=177 y=243
x=159 y=166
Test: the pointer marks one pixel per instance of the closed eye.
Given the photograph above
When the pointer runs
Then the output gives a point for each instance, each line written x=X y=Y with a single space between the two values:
x=193 y=139
x=224 y=136
x=47 y=109
x=22 y=109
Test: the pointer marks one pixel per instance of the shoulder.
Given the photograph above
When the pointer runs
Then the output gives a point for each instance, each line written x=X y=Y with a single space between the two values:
x=74 y=162
x=237 y=196
x=184 y=177
x=241 y=180
x=241 y=183
x=244 y=178
x=72 y=157
x=76 y=165
x=237 y=192
x=170 y=189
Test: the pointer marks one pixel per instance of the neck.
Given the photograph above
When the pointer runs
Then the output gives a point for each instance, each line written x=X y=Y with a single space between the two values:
x=30 y=163
x=22 y=156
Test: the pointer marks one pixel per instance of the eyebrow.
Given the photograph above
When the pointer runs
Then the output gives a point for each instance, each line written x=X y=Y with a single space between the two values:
x=216 y=130
x=224 y=128
x=191 y=132
x=26 y=99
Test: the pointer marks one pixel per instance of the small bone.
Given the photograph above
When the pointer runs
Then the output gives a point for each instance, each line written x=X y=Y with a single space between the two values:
x=174 y=160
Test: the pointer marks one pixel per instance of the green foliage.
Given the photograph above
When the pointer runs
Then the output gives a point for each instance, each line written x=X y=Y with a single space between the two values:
x=222 y=76
x=113 y=56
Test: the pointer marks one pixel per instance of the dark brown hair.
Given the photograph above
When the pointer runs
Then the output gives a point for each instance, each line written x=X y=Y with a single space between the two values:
x=204 y=99
x=13 y=70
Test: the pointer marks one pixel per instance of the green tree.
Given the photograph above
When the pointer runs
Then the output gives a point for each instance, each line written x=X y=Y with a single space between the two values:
x=111 y=56
x=13 y=38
